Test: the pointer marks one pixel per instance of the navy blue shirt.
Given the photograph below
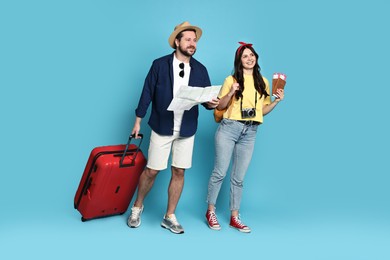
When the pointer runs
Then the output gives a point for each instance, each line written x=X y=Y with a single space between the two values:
x=158 y=89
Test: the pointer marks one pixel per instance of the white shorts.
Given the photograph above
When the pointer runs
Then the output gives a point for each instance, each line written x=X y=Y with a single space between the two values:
x=160 y=148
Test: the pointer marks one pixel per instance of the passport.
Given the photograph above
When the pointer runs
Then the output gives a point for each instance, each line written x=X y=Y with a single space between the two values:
x=278 y=82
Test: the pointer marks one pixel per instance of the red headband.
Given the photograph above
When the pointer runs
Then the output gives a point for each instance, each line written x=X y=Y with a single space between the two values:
x=243 y=44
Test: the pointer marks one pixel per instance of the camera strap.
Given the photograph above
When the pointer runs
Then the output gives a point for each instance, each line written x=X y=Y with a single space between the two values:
x=255 y=101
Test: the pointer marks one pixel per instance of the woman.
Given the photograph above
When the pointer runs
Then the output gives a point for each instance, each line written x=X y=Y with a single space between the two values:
x=236 y=133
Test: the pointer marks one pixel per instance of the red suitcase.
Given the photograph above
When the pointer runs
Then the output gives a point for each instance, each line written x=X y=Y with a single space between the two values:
x=109 y=180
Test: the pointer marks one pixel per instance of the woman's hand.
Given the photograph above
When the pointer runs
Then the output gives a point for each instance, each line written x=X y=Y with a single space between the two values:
x=233 y=89
x=280 y=94
x=270 y=107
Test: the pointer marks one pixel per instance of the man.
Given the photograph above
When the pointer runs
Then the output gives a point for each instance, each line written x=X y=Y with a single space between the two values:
x=170 y=130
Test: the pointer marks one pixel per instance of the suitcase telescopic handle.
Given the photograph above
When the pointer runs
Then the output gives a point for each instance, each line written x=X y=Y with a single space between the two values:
x=127 y=148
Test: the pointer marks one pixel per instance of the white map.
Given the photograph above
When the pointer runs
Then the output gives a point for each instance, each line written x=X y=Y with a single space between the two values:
x=187 y=97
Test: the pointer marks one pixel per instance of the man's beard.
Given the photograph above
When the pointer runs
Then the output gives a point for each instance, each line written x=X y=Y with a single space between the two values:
x=185 y=51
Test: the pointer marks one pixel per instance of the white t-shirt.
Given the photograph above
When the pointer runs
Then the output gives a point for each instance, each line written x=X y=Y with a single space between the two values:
x=177 y=83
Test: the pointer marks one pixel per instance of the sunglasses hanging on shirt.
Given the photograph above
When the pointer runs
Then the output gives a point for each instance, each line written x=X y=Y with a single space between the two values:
x=181 y=66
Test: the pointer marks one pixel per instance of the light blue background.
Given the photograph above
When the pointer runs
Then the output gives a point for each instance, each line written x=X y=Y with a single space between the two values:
x=71 y=73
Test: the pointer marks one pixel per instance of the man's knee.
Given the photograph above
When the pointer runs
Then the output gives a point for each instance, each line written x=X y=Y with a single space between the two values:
x=177 y=172
x=150 y=173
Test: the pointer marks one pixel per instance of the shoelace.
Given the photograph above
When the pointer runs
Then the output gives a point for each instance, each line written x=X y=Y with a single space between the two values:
x=238 y=222
x=213 y=218
x=173 y=219
x=135 y=212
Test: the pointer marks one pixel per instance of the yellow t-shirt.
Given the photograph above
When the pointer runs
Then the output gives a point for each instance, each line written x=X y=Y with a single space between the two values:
x=234 y=110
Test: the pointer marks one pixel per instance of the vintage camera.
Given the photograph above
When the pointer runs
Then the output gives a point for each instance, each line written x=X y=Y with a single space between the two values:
x=248 y=113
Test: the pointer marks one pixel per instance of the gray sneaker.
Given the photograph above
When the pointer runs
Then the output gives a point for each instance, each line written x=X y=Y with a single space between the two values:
x=170 y=222
x=134 y=219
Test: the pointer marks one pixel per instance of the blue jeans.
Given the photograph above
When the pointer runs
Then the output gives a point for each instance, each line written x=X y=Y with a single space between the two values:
x=237 y=139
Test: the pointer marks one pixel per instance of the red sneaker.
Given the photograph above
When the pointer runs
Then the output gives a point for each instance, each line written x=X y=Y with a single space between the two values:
x=212 y=220
x=236 y=223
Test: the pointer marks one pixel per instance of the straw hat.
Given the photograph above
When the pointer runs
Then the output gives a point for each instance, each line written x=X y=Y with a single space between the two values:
x=181 y=27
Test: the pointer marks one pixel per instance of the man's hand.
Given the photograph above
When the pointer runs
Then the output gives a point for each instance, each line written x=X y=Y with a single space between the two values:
x=213 y=103
x=137 y=127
